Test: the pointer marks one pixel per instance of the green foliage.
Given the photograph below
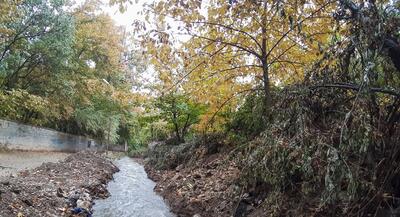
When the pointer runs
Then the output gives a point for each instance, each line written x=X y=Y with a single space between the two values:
x=146 y=128
x=335 y=137
x=331 y=138
x=248 y=119
x=98 y=122
x=38 y=47
x=62 y=68
x=180 y=113
x=21 y=106
x=138 y=152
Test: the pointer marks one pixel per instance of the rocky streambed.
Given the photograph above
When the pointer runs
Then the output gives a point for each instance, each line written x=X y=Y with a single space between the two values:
x=65 y=188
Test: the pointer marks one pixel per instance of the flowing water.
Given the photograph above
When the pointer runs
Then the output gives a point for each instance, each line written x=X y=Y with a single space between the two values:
x=132 y=194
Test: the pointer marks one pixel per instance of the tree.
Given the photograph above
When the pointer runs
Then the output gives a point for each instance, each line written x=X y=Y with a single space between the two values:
x=180 y=112
x=37 y=46
x=261 y=43
x=64 y=68
x=101 y=100
x=8 y=13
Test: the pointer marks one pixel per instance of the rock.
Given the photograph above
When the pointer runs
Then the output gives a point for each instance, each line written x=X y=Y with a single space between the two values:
x=27 y=202
x=54 y=189
x=15 y=190
x=60 y=193
x=197 y=176
x=179 y=168
x=5 y=183
x=84 y=204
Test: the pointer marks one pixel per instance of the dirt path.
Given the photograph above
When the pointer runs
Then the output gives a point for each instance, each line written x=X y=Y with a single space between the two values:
x=13 y=162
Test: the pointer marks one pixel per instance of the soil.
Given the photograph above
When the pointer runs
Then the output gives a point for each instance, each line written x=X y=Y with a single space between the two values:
x=66 y=188
x=11 y=162
x=208 y=188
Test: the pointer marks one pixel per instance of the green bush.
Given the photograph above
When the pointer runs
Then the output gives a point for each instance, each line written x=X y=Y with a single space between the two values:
x=248 y=120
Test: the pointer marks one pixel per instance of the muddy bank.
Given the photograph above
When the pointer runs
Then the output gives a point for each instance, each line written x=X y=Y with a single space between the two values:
x=57 y=189
x=207 y=188
x=11 y=162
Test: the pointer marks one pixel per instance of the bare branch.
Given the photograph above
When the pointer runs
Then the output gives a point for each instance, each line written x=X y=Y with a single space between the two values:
x=228 y=69
x=237 y=45
x=281 y=54
x=233 y=29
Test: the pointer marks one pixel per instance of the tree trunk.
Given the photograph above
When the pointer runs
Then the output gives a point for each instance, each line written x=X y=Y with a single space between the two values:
x=175 y=121
x=267 y=92
x=185 y=127
x=265 y=67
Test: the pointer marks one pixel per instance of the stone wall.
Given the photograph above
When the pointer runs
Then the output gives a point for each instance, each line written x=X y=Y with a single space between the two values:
x=26 y=137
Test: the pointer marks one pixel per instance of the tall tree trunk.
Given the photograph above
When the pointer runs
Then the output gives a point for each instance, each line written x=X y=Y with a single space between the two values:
x=265 y=67
x=267 y=92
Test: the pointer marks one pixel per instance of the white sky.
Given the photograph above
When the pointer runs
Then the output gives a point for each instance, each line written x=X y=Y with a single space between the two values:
x=126 y=18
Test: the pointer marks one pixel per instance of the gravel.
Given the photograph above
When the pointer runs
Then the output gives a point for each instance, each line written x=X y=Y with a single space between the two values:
x=65 y=188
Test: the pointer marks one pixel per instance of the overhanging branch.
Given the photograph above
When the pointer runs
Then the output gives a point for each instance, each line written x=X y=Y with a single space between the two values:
x=355 y=87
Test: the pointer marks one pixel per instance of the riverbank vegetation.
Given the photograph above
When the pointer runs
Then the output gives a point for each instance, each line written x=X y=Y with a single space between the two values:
x=302 y=96
x=298 y=101
x=64 y=67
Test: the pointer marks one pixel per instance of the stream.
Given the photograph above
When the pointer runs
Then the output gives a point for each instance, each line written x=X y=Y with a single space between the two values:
x=132 y=194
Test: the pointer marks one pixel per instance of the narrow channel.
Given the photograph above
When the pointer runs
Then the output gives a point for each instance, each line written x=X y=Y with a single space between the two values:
x=132 y=194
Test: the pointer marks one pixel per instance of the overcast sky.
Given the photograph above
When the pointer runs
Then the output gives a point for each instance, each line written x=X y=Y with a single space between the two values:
x=126 y=18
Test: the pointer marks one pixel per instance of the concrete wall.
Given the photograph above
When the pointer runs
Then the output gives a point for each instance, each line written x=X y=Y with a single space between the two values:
x=25 y=137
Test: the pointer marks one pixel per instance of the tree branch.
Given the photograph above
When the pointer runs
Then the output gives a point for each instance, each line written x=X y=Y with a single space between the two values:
x=233 y=29
x=355 y=87
x=295 y=26
x=228 y=69
x=281 y=54
x=237 y=45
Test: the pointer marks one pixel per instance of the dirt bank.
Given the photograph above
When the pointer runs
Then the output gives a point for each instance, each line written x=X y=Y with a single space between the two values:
x=13 y=162
x=208 y=188
x=57 y=189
